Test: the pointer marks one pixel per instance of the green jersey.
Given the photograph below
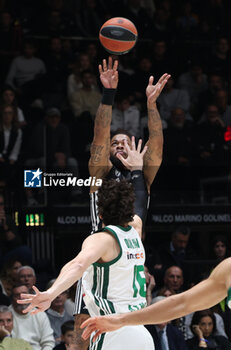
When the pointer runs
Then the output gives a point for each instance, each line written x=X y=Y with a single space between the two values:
x=117 y=286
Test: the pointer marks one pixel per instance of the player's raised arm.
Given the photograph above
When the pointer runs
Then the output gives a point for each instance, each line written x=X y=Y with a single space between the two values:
x=99 y=162
x=93 y=248
x=202 y=296
x=153 y=156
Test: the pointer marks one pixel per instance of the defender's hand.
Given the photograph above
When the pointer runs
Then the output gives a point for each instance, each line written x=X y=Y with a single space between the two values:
x=134 y=160
x=109 y=74
x=41 y=301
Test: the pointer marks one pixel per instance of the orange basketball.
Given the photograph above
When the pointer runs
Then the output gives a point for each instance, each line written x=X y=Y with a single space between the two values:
x=118 y=35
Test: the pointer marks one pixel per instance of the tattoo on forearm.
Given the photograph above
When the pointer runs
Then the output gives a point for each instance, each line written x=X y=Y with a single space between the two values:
x=103 y=116
x=154 y=123
x=96 y=153
x=148 y=156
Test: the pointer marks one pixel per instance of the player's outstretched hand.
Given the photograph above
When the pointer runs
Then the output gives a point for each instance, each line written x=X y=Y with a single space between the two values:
x=100 y=325
x=134 y=160
x=153 y=91
x=41 y=301
x=109 y=73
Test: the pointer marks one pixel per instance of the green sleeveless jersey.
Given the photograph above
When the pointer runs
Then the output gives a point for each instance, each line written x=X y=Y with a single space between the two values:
x=117 y=286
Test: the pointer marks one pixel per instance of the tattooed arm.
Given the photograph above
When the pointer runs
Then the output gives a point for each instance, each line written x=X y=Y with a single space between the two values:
x=99 y=163
x=153 y=156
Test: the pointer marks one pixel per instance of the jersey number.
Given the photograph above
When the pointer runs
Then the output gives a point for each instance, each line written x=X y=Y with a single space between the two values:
x=139 y=280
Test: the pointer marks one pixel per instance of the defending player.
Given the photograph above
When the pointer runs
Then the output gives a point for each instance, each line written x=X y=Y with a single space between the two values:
x=111 y=262
x=202 y=296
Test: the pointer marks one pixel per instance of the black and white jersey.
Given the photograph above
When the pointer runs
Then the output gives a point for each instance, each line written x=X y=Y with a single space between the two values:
x=116 y=174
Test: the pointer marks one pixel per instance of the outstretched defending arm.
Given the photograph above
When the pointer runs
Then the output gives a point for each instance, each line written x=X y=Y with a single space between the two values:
x=202 y=296
x=153 y=157
x=93 y=248
x=99 y=163
x=134 y=162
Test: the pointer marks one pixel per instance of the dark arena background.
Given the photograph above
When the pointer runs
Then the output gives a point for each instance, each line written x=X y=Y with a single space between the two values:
x=49 y=54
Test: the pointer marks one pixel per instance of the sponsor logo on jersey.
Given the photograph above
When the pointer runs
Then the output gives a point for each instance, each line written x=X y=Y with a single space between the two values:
x=135 y=256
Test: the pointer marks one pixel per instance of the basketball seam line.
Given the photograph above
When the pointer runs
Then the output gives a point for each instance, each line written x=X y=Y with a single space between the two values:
x=119 y=27
x=122 y=41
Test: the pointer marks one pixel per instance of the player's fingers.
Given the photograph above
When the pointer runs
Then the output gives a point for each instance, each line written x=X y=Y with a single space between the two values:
x=28 y=309
x=162 y=84
x=162 y=78
x=104 y=65
x=160 y=88
x=151 y=79
x=115 y=65
x=128 y=149
x=122 y=159
x=109 y=62
x=96 y=335
x=100 y=69
x=139 y=145
x=35 y=289
x=88 y=330
x=24 y=301
x=86 y=323
x=35 y=311
x=26 y=296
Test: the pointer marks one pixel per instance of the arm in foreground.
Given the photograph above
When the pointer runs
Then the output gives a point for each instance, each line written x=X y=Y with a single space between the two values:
x=202 y=296
x=93 y=248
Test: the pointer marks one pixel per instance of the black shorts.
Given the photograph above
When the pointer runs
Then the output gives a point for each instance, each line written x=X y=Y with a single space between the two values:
x=80 y=307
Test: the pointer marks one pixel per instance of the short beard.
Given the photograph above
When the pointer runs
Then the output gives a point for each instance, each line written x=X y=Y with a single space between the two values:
x=117 y=163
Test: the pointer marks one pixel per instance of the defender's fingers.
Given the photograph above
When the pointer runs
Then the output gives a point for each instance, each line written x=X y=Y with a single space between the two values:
x=86 y=323
x=87 y=331
x=28 y=309
x=26 y=296
x=122 y=159
x=36 y=311
x=127 y=147
x=24 y=301
x=96 y=335
x=133 y=146
x=35 y=289
x=144 y=150
x=109 y=62
x=139 y=145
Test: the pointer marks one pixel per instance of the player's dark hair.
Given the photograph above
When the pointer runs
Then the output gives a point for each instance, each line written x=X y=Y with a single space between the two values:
x=199 y=315
x=67 y=326
x=116 y=202
x=120 y=131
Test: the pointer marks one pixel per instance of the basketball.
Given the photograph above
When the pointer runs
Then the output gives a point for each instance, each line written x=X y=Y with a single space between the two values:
x=118 y=35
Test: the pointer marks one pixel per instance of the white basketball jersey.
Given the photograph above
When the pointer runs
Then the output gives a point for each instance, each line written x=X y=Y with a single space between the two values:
x=117 y=286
